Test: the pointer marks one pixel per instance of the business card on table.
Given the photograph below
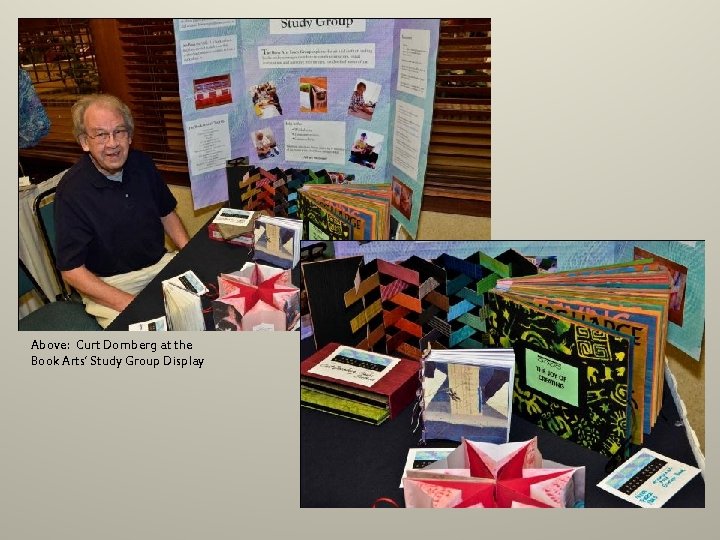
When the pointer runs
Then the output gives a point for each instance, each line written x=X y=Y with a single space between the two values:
x=231 y=216
x=419 y=458
x=188 y=281
x=648 y=479
x=154 y=325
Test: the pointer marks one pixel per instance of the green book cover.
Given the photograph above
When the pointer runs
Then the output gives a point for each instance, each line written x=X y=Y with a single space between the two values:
x=571 y=377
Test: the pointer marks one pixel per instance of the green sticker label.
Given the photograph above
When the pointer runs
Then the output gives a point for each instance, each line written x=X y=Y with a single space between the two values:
x=552 y=377
x=316 y=234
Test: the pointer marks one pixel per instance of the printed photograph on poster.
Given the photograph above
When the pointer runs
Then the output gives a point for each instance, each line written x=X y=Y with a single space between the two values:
x=340 y=178
x=679 y=278
x=543 y=264
x=265 y=100
x=313 y=95
x=265 y=143
x=364 y=99
x=402 y=197
x=212 y=91
x=366 y=148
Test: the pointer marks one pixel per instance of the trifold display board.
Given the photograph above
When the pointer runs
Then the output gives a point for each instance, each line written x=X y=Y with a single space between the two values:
x=348 y=95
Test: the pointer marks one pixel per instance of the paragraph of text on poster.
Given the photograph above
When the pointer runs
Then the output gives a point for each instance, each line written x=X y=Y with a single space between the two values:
x=319 y=142
x=344 y=55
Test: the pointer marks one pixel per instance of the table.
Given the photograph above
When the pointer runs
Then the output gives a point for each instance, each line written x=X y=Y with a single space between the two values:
x=207 y=258
x=344 y=463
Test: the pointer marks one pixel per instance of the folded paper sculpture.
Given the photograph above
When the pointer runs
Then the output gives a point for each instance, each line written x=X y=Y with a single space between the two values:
x=256 y=298
x=485 y=475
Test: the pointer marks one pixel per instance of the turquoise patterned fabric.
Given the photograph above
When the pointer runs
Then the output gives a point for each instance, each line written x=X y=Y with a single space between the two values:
x=33 y=121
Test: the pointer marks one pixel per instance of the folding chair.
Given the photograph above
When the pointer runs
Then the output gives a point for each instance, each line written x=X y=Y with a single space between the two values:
x=60 y=315
x=44 y=210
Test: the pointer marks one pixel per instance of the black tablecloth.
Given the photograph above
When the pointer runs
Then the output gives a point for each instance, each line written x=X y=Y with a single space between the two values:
x=207 y=258
x=344 y=463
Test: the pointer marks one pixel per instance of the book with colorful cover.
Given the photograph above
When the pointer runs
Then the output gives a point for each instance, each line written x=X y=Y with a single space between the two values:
x=632 y=298
x=571 y=377
x=365 y=207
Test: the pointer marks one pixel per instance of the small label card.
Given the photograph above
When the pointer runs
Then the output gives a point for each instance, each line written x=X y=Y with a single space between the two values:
x=231 y=216
x=419 y=458
x=190 y=282
x=648 y=479
x=154 y=325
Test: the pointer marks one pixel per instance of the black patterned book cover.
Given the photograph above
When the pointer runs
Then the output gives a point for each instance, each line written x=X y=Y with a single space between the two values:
x=571 y=377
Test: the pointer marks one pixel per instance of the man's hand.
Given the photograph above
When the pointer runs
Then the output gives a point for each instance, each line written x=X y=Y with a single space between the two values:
x=89 y=284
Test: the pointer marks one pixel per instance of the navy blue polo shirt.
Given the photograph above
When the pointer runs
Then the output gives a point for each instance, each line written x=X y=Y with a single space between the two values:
x=111 y=227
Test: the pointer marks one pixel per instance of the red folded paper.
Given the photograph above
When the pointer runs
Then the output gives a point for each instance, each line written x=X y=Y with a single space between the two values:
x=255 y=298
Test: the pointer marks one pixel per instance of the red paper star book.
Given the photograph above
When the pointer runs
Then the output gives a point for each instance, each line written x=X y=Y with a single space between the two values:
x=485 y=475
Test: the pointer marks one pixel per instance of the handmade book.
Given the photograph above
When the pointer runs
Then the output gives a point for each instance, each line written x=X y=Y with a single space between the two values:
x=571 y=377
x=344 y=303
x=261 y=189
x=393 y=294
x=409 y=291
x=632 y=298
x=460 y=322
x=345 y=212
x=182 y=296
x=485 y=475
x=403 y=307
x=256 y=298
x=277 y=241
x=467 y=393
x=357 y=384
x=233 y=226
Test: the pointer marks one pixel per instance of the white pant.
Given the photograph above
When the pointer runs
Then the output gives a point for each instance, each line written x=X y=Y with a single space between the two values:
x=130 y=282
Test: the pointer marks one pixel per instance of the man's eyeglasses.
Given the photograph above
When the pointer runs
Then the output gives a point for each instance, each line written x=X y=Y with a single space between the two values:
x=104 y=136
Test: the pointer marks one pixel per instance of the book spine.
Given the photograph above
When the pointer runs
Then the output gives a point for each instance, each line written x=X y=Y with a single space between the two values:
x=421 y=395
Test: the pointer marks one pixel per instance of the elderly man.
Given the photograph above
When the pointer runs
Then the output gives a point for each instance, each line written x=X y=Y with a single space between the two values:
x=112 y=210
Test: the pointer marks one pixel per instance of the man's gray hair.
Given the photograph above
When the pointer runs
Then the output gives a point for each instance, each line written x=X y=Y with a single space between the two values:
x=105 y=100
